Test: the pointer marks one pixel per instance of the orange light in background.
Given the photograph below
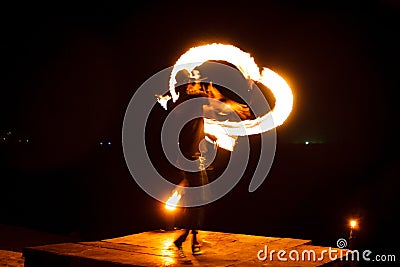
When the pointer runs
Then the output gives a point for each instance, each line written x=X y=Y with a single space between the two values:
x=353 y=224
x=172 y=201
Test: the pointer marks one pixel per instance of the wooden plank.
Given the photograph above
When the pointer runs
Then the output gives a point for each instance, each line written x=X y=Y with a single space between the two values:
x=156 y=248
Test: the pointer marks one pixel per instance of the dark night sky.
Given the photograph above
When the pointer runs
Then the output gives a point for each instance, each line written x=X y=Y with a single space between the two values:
x=339 y=58
x=69 y=71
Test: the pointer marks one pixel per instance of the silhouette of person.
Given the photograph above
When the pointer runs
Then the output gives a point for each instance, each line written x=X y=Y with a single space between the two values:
x=190 y=140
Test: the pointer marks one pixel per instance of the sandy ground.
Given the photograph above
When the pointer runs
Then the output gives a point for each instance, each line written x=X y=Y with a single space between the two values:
x=13 y=239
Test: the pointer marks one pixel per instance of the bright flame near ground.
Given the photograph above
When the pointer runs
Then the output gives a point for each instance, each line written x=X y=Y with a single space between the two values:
x=172 y=201
x=353 y=223
x=196 y=56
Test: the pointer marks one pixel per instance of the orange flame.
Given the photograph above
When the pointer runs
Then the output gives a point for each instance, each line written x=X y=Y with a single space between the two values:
x=172 y=201
x=222 y=108
x=229 y=130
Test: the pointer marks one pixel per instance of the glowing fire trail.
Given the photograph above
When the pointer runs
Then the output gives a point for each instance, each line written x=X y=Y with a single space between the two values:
x=226 y=132
x=196 y=56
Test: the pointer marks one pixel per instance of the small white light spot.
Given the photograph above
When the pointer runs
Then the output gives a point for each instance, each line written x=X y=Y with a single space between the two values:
x=306 y=142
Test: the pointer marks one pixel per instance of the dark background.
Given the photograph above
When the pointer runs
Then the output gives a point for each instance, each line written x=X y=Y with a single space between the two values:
x=69 y=71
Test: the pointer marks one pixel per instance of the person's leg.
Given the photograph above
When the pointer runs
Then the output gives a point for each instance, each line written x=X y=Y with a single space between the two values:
x=196 y=214
x=194 y=237
x=182 y=238
x=193 y=216
x=195 y=225
x=195 y=242
x=178 y=243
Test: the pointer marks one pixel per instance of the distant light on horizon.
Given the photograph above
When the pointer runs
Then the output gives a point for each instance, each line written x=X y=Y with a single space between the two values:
x=311 y=141
x=103 y=143
x=353 y=223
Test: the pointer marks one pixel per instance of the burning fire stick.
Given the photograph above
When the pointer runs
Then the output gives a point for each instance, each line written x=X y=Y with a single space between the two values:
x=170 y=207
x=172 y=201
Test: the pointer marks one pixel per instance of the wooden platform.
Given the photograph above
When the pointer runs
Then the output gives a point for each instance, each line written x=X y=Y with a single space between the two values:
x=156 y=249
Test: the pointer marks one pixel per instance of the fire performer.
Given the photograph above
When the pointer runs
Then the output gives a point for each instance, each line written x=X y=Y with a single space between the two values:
x=190 y=138
x=192 y=148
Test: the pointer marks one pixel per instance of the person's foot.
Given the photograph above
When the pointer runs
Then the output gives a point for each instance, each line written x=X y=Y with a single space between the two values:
x=195 y=247
x=178 y=245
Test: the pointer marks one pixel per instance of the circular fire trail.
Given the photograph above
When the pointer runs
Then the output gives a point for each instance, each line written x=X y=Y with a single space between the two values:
x=196 y=56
